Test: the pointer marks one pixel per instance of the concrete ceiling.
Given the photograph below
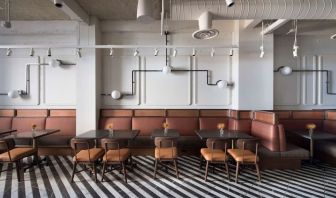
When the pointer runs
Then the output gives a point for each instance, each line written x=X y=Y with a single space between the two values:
x=33 y=10
x=116 y=9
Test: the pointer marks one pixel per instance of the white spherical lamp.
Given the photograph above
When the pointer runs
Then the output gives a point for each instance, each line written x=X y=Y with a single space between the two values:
x=286 y=70
x=166 y=69
x=116 y=94
x=13 y=94
x=221 y=84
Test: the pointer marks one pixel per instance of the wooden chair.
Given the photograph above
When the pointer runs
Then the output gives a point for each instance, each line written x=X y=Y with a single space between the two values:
x=215 y=153
x=115 y=154
x=11 y=154
x=85 y=153
x=165 y=151
x=246 y=153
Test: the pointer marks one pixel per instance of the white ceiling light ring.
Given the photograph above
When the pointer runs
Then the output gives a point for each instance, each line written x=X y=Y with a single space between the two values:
x=58 y=3
x=145 y=11
x=205 y=27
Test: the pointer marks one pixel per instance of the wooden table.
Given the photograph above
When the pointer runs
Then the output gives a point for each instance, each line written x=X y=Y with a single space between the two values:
x=316 y=135
x=170 y=133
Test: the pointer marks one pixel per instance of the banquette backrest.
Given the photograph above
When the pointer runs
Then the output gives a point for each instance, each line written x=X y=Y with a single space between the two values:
x=239 y=120
x=6 y=117
x=209 y=119
x=121 y=119
x=329 y=124
x=25 y=118
x=64 y=120
x=297 y=120
x=266 y=128
x=148 y=120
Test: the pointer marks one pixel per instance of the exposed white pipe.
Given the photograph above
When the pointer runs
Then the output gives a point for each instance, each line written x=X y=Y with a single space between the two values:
x=258 y=9
x=162 y=17
x=114 y=46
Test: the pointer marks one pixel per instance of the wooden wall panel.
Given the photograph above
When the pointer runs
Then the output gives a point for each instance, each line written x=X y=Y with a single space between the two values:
x=31 y=112
x=214 y=113
x=182 y=113
x=116 y=113
x=7 y=112
x=265 y=116
x=149 y=112
x=62 y=113
x=317 y=115
x=330 y=115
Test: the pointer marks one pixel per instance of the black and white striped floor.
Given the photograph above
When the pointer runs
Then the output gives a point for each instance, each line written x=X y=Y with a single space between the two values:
x=54 y=181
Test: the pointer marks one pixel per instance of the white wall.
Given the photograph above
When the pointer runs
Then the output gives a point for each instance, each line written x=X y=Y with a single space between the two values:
x=176 y=90
x=50 y=87
x=305 y=90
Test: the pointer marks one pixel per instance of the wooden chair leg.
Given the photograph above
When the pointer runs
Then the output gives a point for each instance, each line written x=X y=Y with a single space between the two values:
x=206 y=171
x=124 y=171
x=227 y=170
x=201 y=162
x=103 y=171
x=73 y=171
x=155 y=167
x=258 y=172
x=94 y=170
x=18 y=170
x=237 y=171
x=176 y=170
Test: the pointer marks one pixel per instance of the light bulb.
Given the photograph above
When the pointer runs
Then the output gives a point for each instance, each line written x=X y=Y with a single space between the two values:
x=175 y=52
x=212 y=52
x=166 y=69
x=13 y=94
x=221 y=84
x=286 y=70
x=111 y=52
x=115 y=94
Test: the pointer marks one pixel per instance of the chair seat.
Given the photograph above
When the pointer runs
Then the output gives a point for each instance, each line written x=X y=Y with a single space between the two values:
x=166 y=153
x=113 y=155
x=17 y=153
x=213 y=155
x=83 y=155
x=240 y=155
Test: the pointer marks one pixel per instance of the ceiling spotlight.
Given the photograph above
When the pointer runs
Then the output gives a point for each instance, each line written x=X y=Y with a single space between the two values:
x=32 y=52
x=156 y=52
x=58 y=3
x=9 y=52
x=136 y=52
x=111 y=52
x=295 y=51
x=166 y=69
x=333 y=36
x=262 y=52
x=49 y=52
x=212 y=52
x=115 y=94
x=229 y=3
x=194 y=52
x=78 y=52
x=175 y=52
x=231 y=52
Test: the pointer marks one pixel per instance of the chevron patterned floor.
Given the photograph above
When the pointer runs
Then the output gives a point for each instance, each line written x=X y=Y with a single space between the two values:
x=54 y=181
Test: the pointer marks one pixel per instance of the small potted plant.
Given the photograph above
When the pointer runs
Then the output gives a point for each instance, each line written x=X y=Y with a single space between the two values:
x=221 y=127
x=165 y=128
x=311 y=127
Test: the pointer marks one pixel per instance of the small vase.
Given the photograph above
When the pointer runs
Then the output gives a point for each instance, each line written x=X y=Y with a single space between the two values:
x=111 y=132
x=221 y=132
x=165 y=131
x=311 y=131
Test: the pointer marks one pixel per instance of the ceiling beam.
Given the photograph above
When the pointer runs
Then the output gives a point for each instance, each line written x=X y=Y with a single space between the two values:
x=274 y=26
x=250 y=24
x=74 y=11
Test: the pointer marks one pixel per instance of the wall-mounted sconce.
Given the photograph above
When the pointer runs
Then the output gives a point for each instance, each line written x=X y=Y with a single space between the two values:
x=287 y=70
x=18 y=92
x=116 y=94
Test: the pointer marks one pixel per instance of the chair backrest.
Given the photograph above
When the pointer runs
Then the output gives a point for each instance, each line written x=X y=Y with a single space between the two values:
x=113 y=144
x=6 y=145
x=249 y=144
x=78 y=144
x=165 y=142
x=216 y=143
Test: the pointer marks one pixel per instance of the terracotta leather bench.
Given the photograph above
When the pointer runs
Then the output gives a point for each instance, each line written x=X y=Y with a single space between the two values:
x=6 y=117
x=274 y=150
x=65 y=120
